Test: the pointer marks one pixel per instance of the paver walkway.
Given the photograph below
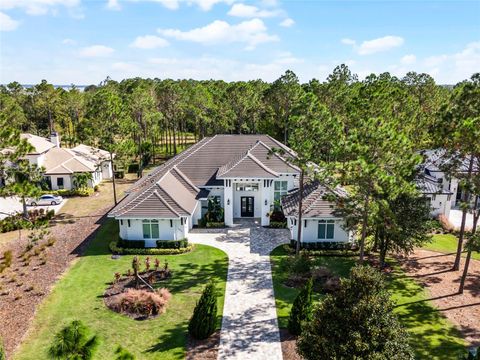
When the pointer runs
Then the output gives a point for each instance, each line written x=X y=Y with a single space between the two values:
x=249 y=326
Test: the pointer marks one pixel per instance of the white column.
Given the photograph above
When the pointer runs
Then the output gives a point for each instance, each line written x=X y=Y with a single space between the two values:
x=266 y=199
x=228 y=202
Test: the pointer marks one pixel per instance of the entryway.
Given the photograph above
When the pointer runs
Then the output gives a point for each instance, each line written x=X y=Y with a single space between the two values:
x=247 y=206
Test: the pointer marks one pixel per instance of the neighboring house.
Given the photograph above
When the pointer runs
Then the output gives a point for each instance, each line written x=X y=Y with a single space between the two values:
x=61 y=164
x=239 y=170
x=443 y=191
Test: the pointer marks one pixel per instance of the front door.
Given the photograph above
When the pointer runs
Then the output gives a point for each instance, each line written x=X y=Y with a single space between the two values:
x=246 y=206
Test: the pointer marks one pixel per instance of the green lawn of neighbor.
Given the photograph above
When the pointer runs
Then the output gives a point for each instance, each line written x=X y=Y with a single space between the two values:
x=78 y=295
x=433 y=337
x=446 y=243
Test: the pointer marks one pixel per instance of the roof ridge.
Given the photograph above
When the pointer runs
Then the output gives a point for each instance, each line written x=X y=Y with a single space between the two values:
x=265 y=167
x=184 y=177
x=134 y=206
x=277 y=155
x=166 y=203
x=171 y=197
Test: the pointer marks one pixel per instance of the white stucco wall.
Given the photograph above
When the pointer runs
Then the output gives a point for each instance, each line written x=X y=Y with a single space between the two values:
x=107 y=172
x=166 y=232
x=67 y=181
x=310 y=233
x=440 y=204
x=197 y=214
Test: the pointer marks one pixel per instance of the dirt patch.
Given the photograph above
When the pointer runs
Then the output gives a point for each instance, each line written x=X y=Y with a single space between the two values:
x=433 y=271
x=203 y=349
x=289 y=347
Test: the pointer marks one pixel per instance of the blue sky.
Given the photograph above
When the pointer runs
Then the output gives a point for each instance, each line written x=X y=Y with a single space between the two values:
x=84 y=41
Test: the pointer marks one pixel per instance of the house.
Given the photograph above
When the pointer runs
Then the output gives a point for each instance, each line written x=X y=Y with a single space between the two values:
x=240 y=171
x=62 y=164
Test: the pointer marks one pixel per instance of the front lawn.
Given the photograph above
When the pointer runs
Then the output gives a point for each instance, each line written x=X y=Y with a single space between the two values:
x=432 y=335
x=78 y=295
x=447 y=244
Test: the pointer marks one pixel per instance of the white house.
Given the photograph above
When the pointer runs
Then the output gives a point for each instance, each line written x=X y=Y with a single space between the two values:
x=241 y=171
x=61 y=164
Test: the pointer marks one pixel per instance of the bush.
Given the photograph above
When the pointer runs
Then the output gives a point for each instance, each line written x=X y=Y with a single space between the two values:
x=172 y=244
x=473 y=354
x=3 y=356
x=72 y=343
x=204 y=319
x=133 y=168
x=123 y=354
x=277 y=225
x=73 y=192
x=215 y=225
x=323 y=245
x=38 y=217
x=301 y=309
x=114 y=248
x=278 y=216
x=142 y=302
x=301 y=264
x=131 y=244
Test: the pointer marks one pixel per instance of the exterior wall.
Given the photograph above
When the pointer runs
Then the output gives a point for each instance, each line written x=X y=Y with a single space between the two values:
x=310 y=233
x=107 y=172
x=228 y=203
x=37 y=159
x=197 y=214
x=67 y=181
x=441 y=204
x=166 y=232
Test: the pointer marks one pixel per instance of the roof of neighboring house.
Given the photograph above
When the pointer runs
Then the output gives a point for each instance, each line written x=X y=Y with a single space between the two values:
x=90 y=153
x=436 y=159
x=430 y=185
x=314 y=204
x=203 y=165
x=66 y=161
x=40 y=144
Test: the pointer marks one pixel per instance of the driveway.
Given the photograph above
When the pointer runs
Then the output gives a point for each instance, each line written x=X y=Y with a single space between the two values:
x=249 y=325
x=12 y=205
x=455 y=219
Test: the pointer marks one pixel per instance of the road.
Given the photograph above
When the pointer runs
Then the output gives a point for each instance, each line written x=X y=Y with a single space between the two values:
x=12 y=205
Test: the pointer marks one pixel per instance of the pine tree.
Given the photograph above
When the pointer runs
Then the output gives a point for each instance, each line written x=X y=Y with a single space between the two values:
x=204 y=318
x=72 y=342
x=301 y=310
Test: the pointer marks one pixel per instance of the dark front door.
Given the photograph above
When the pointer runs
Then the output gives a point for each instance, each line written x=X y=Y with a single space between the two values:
x=247 y=206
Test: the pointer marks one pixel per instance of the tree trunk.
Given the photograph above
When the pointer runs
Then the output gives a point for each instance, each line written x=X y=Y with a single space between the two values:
x=113 y=179
x=364 y=228
x=469 y=253
x=300 y=201
x=465 y=199
x=24 y=206
x=375 y=243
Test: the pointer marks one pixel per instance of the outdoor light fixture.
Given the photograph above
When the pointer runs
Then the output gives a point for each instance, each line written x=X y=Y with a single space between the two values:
x=266 y=202
x=228 y=202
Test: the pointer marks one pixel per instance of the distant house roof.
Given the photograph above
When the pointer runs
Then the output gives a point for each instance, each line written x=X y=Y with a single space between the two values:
x=314 y=204
x=430 y=185
x=66 y=161
x=90 y=153
x=40 y=144
x=436 y=160
x=203 y=165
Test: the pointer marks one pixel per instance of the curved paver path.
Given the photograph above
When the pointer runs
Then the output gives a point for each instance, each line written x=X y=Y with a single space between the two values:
x=249 y=325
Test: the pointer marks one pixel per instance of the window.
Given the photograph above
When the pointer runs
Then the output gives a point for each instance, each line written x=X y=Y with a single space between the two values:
x=121 y=222
x=280 y=189
x=150 y=229
x=60 y=182
x=326 y=229
x=128 y=222
x=246 y=187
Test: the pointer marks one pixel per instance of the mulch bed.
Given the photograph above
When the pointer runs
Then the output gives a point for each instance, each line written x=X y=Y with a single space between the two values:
x=289 y=347
x=23 y=287
x=203 y=349
x=433 y=271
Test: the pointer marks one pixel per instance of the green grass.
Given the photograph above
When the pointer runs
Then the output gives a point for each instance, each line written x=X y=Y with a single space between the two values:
x=78 y=295
x=433 y=337
x=446 y=243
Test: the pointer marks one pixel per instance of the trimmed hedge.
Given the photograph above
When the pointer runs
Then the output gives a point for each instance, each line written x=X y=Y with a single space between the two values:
x=73 y=192
x=131 y=244
x=114 y=248
x=172 y=244
x=323 y=245
x=277 y=225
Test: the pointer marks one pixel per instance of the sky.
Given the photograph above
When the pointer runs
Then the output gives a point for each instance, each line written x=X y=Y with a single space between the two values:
x=83 y=41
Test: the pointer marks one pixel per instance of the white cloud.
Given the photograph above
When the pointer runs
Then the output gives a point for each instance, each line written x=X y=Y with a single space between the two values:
x=251 y=32
x=113 y=5
x=288 y=22
x=96 y=51
x=250 y=11
x=37 y=7
x=408 y=59
x=149 y=42
x=347 y=41
x=69 y=42
x=7 y=23
x=125 y=67
x=379 y=45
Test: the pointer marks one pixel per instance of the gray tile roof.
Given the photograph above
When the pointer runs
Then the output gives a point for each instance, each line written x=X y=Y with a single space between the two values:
x=430 y=185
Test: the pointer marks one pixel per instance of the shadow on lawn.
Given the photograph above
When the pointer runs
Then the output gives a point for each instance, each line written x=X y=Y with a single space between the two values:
x=173 y=338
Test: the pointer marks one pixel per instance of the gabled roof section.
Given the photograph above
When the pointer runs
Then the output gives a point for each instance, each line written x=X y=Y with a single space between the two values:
x=314 y=203
x=247 y=166
x=91 y=153
x=64 y=161
x=430 y=185
x=40 y=144
x=272 y=159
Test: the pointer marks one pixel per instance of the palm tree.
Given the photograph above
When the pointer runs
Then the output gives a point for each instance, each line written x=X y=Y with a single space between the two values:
x=80 y=180
x=72 y=343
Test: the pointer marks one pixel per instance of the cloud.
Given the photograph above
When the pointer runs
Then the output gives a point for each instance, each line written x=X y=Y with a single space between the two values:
x=37 y=7
x=96 y=51
x=125 y=67
x=408 y=59
x=251 y=32
x=113 y=5
x=347 y=41
x=149 y=42
x=379 y=45
x=69 y=42
x=288 y=22
x=7 y=23
x=250 y=11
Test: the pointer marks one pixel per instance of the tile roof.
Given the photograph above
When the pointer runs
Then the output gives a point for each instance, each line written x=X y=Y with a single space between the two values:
x=314 y=204
x=65 y=161
x=90 y=153
x=40 y=144
x=430 y=185
x=200 y=165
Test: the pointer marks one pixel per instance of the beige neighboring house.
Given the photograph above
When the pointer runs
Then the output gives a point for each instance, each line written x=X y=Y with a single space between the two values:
x=61 y=164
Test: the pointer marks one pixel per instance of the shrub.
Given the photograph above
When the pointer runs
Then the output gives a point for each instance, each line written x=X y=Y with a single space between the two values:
x=131 y=244
x=301 y=264
x=133 y=168
x=72 y=342
x=356 y=322
x=172 y=244
x=277 y=225
x=278 y=216
x=114 y=248
x=446 y=224
x=215 y=225
x=142 y=302
x=71 y=192
x=123 y=354
x=3 y=356
x=323 y=245
x=203 y=321
x=473 y=354
x=301 y=309
x=7 y=258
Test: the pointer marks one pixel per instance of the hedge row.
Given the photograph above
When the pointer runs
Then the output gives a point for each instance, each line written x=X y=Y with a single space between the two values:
x=161 y=244
x=215 y=225
x=73 y=192
x=114 y=248
x=277 y=225
x=323 y=245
